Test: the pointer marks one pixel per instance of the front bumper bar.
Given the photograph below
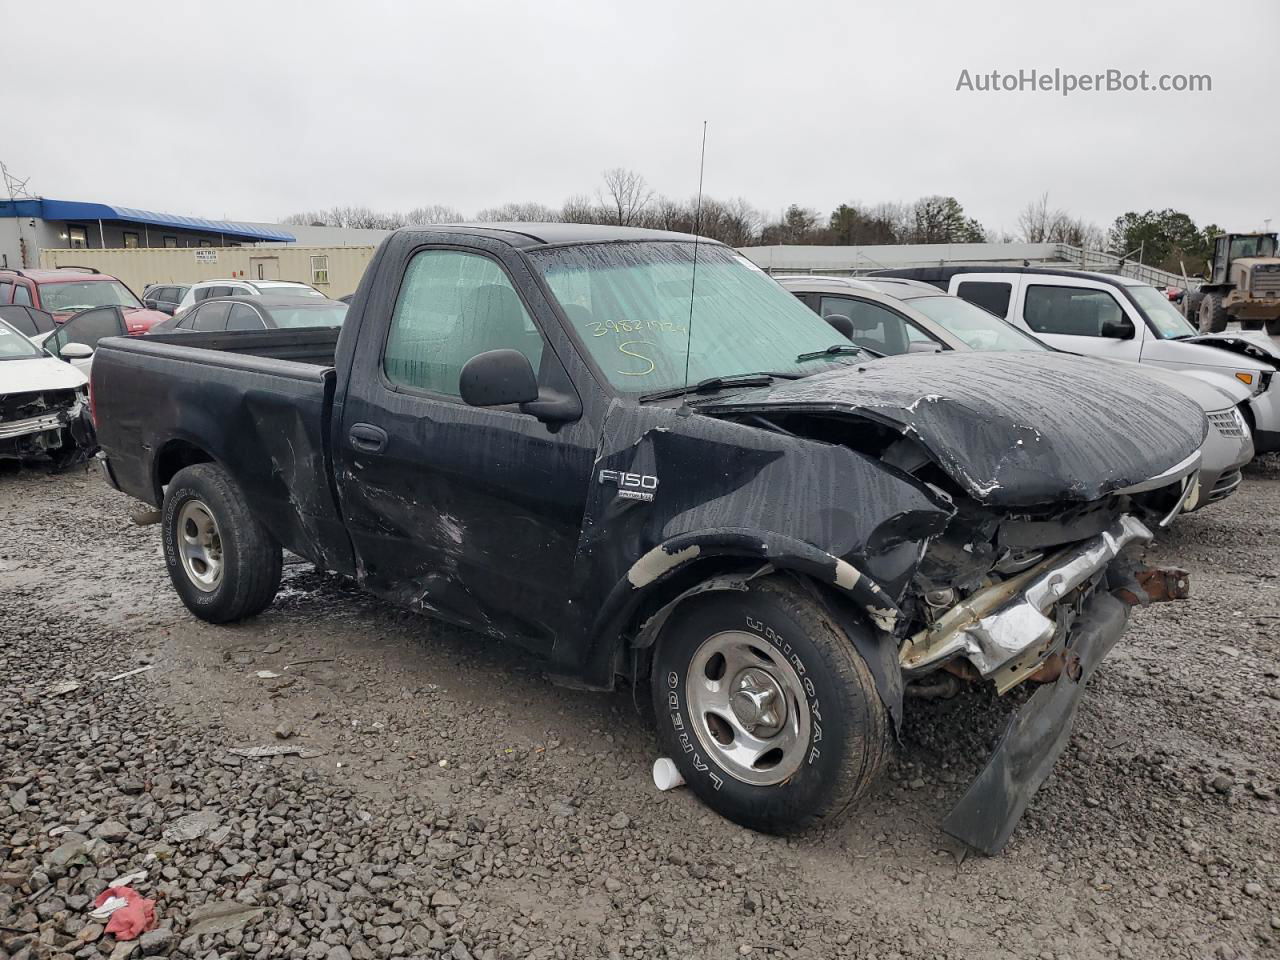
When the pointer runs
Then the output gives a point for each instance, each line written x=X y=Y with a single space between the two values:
x=1004 y=629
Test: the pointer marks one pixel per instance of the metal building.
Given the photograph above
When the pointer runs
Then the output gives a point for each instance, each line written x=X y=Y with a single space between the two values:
x=29 y=226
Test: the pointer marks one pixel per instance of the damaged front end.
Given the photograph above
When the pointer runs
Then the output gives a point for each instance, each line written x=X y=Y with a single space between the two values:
x=1039 y=563
x=49 y=425
x=1052 y=623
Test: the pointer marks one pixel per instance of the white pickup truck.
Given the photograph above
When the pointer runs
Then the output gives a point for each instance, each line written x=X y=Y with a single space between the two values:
x=1101 y=315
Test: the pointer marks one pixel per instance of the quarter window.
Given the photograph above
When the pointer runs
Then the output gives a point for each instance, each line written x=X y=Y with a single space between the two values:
x=244 y=317
x=212 y=317
x=21 y=294
x=987 y=294
x=452 y=307
x=1069 y=311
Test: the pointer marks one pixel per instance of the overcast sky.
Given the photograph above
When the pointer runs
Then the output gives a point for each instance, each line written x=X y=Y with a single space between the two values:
x=255 y=110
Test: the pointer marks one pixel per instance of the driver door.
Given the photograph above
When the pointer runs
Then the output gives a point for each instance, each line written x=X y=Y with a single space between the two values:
x=471 y=513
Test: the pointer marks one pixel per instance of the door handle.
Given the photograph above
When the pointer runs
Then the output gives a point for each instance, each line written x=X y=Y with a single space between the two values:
x=367 y=438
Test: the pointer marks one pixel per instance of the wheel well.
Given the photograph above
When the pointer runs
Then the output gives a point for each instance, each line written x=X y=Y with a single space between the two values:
x=175 y=455
x=1247 y=413
x=635 y=662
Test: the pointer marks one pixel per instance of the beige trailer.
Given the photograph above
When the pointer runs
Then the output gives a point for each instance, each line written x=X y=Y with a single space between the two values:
x=336 y=271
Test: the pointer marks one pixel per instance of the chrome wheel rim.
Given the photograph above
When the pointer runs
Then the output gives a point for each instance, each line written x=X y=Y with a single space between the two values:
x=200 y=546
x=748 y=707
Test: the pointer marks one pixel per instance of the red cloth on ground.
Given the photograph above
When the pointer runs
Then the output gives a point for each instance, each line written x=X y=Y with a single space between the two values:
x=133 y=919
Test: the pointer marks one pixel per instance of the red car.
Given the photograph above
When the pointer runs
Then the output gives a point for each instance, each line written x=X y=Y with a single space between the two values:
x=68 y=290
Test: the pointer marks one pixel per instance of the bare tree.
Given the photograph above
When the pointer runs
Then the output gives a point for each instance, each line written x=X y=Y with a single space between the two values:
x=433 y=213
x=1039 y=223
x=529 y=212
x=581 y=208
x=625 y=195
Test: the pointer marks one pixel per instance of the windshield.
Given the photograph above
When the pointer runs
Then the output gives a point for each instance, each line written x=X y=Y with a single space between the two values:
x=291 y=290
x=1169 y=323
x=14 y=346
x=975 y=326
x=1253 y=247
x=321 y=315
x=70 y=297
x=629 y=303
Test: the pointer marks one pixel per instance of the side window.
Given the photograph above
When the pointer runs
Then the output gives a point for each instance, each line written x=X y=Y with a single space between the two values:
x=20 y=318
x=202 y=293
x=88 y=327
x=6 y=291
x=1071 y=311
x=987 y=294
x=244 y=317
x=452 y=306
x=874 y=326
x=212 y=317
x=21 y=294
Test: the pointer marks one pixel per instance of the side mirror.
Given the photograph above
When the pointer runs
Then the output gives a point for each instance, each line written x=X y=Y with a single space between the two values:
x=498 y=377
x=1121 y=329
x=923 y=346
x=843 y=325
x=75 y=351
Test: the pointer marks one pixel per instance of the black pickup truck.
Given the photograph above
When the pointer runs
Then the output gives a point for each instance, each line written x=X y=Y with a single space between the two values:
x=639 y=456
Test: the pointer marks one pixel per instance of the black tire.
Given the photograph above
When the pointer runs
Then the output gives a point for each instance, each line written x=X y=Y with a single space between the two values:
x=248 y=557
x=1191 y=307
x=1213 y=315
x=848 y=740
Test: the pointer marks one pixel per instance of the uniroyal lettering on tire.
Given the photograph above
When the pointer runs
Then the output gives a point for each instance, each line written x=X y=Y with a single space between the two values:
x=769 y=712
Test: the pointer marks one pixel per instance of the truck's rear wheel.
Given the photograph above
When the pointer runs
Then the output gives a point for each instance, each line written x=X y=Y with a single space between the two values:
x=221 y=559
x=766 y=707
x=1213 y=315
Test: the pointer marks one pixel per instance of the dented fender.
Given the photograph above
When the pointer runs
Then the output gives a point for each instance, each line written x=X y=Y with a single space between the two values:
x=718 y=490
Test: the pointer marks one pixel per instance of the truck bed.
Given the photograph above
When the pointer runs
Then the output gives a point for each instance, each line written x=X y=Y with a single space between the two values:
x=258 y=403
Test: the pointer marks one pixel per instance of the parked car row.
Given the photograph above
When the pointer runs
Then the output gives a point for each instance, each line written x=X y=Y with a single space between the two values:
x=892 y=316
x=641 y=457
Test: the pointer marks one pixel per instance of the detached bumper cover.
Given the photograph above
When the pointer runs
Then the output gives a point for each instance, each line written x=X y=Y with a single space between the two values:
x=1037 y=734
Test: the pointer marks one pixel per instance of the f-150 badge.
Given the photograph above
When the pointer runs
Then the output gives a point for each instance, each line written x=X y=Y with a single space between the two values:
x=631 y=486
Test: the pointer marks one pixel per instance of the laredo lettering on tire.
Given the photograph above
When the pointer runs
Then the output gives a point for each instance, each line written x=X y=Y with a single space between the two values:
x=766 y=707
x=221 y=559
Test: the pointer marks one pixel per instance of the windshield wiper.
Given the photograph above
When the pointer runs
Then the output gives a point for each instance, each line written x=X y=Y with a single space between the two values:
x=712 y=384
x=838 y=350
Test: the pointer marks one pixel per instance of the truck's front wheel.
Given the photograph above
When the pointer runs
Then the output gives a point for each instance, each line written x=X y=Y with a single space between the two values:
x=766 y=707
x=1213 y=314
x=221 y=559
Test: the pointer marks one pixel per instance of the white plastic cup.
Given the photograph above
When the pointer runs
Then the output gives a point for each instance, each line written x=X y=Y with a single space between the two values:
x=665 y=774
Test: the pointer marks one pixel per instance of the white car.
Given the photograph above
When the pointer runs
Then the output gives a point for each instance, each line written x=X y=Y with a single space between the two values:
x=43 y=403
x=1101 y=315
x=245 y=288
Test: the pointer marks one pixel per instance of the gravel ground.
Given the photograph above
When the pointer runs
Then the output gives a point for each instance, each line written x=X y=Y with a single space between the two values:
x=448 y=801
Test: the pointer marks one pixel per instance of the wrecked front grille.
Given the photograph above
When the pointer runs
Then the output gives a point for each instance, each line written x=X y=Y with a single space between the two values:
x=1228 y=423
x=27 y=406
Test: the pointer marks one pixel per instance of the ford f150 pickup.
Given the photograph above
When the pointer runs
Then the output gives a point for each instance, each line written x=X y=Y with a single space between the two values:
x=639 y=456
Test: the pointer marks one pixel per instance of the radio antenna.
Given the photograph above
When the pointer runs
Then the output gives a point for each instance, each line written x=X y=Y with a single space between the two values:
x=693 y=281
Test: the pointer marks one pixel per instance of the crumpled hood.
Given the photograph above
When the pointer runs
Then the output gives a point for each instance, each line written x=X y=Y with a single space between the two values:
x=1254 y=344
x=1013 y=429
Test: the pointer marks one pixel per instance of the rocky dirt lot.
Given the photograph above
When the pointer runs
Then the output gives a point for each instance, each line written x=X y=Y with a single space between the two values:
x=448 y=801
